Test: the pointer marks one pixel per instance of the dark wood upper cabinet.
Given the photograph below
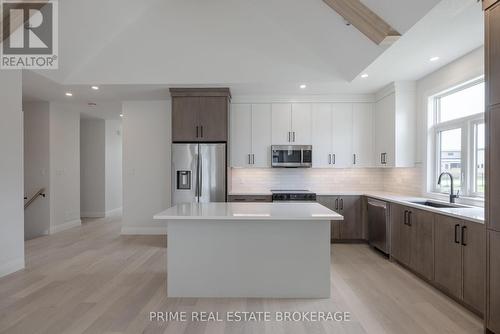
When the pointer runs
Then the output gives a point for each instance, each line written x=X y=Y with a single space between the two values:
x=185 y=118
x=212 y=118
x=493 y=165
x=422 y=242
x=492 y=41
x=200 y=115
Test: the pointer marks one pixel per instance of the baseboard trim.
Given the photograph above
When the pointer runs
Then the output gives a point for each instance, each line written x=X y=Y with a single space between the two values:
x=114 y=212
x=132 y=230
x=11 y=267
x=92 y=214
x=65 y=226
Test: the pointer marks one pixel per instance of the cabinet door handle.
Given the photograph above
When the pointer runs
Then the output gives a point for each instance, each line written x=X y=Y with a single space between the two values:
x=341 y=204
x=253 y=159
x=249 y=159
x=333 y=159
x=457 y=226
x=336 y=204
x=381 y=158
x=409 y=218
x=406 y=217
x=293 y=136
x=197 y=131
x=464 y=228
x=289 y=136
x=354 y=159
x=329 y=159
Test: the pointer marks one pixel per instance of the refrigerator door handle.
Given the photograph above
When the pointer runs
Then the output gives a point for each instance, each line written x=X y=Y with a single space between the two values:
x=200 y=179
x=197 y=186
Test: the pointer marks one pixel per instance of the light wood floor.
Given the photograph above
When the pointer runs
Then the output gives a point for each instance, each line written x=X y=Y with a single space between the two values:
x=92 y=280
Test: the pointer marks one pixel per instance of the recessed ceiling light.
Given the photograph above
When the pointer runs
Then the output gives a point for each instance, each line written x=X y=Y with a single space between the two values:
x=303 y=86
x=434 y=59
x=69 y=94
x=121 y=115
x=95 y=87
x=364 y=75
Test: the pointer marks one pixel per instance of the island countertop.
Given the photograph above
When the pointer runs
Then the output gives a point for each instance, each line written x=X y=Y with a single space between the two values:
x=249 y=211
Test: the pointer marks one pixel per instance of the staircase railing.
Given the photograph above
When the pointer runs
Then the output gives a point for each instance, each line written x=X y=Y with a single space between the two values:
x=39 y=193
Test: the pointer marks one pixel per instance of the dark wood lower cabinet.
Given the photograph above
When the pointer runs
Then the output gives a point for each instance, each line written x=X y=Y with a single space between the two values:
x=493 y=299
x=422 y=242
x=448 y=260
x=401 y=236
x=448 y=252
x=412 y=239
x=473 y=239
x=329 y=202
x=351 y=228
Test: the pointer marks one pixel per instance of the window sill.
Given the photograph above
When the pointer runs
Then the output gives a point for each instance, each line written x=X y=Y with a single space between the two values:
x=474 y=201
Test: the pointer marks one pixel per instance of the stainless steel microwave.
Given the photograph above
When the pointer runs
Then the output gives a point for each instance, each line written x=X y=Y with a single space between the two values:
x=291 y=156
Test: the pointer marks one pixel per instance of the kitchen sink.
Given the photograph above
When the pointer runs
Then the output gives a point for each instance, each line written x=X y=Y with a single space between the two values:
x=440 y=205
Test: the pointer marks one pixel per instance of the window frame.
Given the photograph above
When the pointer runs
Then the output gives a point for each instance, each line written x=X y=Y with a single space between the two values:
x=473 y=159
x=468 y=157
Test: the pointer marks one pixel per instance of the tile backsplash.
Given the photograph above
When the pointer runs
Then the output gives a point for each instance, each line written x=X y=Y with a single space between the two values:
x=397 y=180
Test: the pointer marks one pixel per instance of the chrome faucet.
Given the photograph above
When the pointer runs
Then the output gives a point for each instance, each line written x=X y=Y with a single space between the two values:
x=453 y=196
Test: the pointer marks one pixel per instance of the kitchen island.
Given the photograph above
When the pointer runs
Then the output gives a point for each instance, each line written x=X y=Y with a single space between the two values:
x=279 y=250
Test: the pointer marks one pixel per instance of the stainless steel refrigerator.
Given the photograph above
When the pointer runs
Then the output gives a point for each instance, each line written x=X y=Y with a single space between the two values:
x=198 y=173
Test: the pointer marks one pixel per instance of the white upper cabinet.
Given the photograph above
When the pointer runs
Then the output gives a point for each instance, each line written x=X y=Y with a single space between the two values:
x=342 y=115
x=250 y=135
x=301 y=124
x=261 y=135
x=362 y=135
x=241 y=135
x=291 y=124
x=332 y=135
x=322 y=136
x=281 y=124
x=395 y=118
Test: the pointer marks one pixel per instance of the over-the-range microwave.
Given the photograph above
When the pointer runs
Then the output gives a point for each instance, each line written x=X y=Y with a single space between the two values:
x=291 y=156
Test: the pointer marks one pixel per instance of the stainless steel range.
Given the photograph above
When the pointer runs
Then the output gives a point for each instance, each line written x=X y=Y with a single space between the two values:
x=293 y=196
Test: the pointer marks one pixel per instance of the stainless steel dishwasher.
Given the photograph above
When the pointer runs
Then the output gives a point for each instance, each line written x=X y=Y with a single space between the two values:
x=379 y=226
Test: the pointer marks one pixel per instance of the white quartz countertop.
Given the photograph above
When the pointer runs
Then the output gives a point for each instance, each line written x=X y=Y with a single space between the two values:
x=475 y=214
x=249 y=211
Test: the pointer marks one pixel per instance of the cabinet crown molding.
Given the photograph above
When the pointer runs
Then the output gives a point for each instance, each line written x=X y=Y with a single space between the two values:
x=193 y=92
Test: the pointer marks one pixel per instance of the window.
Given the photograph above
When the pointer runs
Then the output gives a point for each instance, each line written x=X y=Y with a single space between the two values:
x=459 y=136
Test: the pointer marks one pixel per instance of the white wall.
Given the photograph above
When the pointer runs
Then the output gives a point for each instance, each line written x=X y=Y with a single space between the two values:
x=146 y=165
x=466 y=68
x=36 y=167
x=11 y=178
x=114 y=187
x=92 y=168
x=65 y=166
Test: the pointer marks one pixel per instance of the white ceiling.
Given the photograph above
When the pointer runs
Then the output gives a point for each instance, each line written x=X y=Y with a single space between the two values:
x=138 y=49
